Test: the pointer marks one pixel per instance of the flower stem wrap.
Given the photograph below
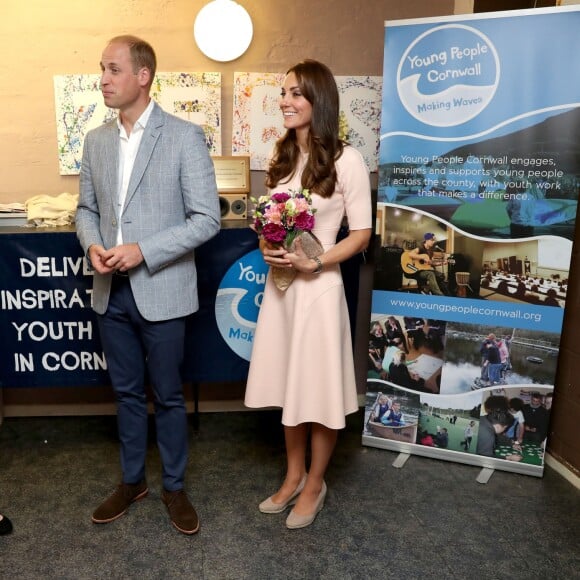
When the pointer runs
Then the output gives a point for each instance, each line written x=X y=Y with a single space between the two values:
x=311 y=246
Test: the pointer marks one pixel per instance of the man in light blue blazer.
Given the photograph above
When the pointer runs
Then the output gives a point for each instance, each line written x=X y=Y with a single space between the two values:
x=148 y=198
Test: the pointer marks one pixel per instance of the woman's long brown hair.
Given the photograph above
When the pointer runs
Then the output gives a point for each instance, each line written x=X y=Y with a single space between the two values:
x=318 y=86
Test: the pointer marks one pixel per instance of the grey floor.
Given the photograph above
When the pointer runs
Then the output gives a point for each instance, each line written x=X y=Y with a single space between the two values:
x=430 y=519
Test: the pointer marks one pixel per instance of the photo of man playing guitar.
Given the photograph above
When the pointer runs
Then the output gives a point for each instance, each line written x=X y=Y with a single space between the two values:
x=420 y=262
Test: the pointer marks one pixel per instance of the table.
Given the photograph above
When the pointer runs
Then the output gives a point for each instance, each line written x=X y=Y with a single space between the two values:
x=531 y=453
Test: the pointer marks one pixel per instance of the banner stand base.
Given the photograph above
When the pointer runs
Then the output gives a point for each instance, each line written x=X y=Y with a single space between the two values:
x=485 y=475
x=401 y=460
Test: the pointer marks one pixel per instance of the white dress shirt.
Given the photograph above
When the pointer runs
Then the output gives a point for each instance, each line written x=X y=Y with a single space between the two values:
x=128 y=148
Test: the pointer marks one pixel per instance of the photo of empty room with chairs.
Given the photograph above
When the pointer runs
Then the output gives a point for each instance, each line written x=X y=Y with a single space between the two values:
x=531 y=271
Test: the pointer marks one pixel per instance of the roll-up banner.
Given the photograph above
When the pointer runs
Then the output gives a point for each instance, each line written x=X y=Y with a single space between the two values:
x=479 y=174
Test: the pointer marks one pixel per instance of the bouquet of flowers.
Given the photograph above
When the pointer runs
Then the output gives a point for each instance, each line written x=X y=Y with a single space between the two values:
x=282 y=218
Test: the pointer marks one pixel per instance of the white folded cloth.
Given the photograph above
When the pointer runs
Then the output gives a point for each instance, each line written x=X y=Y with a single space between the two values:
x=52 y=211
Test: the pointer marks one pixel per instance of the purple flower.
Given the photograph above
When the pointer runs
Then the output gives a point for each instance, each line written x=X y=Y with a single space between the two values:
x=304 y=221
x=258 y=225
x=280 y=197
x=274 y=233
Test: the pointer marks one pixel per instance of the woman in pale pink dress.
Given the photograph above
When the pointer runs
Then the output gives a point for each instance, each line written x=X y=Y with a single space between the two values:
x=302 y=354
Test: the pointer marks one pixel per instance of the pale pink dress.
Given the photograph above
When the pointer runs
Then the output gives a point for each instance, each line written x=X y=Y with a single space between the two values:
x=302 y=353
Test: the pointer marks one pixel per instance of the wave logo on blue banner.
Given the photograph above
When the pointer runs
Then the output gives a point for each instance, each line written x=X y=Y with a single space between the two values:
x=448 y=75
x=238 y=302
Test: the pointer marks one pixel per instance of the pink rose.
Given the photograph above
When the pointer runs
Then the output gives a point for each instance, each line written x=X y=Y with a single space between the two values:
x=302 y=204
x=273 y=215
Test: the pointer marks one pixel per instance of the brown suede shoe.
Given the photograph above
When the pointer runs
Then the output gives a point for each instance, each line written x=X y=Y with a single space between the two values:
x=181 y=512
x=119 y=501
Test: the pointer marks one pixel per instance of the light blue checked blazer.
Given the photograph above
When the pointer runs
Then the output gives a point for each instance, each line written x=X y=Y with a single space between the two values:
x=172 y=207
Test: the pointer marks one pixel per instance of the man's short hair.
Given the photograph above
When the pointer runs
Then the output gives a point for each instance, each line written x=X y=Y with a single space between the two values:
x=142 y=53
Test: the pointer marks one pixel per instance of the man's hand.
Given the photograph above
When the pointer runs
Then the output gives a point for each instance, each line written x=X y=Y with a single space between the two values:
x=96 y=253
x=120 y=258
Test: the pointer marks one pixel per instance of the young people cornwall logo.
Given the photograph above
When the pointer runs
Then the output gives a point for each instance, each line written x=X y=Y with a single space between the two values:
x=448 y=75
x=238 y=302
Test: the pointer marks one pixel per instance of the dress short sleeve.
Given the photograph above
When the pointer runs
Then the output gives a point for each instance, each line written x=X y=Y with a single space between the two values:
x=354 y=184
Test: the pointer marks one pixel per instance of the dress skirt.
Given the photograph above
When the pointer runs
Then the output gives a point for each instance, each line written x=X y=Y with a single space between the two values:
x=302 y=356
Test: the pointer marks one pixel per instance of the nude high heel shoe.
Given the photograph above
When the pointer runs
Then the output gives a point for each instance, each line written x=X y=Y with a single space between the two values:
x=270 y=507
x=295 y=521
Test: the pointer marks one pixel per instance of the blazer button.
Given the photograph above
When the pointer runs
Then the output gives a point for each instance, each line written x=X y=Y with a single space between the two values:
x=114 y=222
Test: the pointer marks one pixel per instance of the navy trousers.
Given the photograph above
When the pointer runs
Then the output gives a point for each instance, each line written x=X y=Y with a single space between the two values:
x=132 y=346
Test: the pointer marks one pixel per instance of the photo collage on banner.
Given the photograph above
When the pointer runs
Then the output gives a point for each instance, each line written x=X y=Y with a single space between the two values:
x=478 y=186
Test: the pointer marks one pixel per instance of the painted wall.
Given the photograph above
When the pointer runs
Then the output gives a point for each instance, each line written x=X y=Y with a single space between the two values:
x=42 y=38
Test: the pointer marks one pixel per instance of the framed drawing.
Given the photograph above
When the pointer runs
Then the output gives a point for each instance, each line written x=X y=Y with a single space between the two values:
x=79 y=108
x=257 y=122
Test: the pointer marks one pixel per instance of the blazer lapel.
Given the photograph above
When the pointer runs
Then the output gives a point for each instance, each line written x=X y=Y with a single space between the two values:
x=112 y=163
x=146 y=148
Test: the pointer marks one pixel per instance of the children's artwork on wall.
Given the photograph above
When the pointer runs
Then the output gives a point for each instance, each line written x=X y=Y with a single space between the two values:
x=360 y=114
x=257 y=122
x=79 y=108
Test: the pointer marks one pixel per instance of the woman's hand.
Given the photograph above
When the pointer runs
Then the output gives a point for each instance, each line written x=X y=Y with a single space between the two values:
x=274 y=255
x=299 y=260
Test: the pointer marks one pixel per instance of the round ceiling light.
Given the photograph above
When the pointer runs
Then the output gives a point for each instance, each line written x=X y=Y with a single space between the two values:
x=223 y=30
